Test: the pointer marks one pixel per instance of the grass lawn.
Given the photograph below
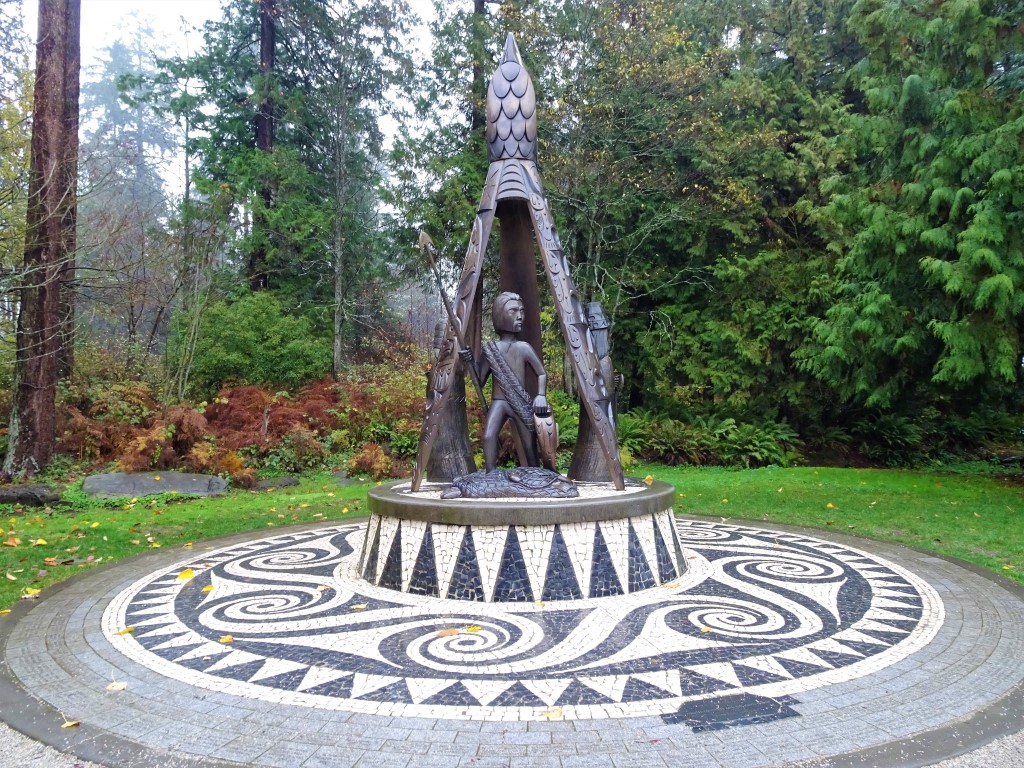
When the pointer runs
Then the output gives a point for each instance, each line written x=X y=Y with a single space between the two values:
x=976 y=517
x=39 y=547
x=968 y=515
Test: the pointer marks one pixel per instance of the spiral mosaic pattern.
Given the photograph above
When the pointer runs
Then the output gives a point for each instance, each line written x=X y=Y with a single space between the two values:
x=758 y=616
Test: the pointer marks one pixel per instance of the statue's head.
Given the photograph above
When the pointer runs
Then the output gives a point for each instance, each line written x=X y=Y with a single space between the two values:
x=507 y=313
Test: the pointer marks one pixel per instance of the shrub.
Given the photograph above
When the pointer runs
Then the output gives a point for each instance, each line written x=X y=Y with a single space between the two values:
x=253 y=341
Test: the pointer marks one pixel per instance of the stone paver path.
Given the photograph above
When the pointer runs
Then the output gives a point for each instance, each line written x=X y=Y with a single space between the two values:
x=776 y=647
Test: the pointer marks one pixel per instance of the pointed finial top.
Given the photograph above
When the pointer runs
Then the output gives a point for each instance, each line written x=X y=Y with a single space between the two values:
x=511 y=108
x=511 y=50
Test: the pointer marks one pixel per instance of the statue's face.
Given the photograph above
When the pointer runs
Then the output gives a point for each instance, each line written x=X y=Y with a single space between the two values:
x=512 y=317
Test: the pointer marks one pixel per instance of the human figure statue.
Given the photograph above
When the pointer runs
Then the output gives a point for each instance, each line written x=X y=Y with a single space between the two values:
x=506 y=360
x=587 y=460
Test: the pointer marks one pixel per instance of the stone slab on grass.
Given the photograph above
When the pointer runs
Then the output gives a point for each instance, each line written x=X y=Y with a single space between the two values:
x=135 y=484
x=28 y=495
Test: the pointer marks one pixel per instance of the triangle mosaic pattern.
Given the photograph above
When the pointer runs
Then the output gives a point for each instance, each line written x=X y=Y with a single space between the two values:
x=513 y=563
x=320 y=633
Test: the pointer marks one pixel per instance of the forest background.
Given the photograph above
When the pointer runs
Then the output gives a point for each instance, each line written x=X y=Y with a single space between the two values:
x=803 y=217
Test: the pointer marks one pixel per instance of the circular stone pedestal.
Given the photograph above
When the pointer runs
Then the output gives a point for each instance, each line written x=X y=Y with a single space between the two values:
x=602 y=544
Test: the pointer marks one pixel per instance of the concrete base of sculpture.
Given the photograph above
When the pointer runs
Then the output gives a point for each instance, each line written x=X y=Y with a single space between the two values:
x=604 y=543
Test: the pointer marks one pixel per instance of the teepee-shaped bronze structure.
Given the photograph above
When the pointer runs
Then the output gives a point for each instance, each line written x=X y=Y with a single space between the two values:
x=513 y=192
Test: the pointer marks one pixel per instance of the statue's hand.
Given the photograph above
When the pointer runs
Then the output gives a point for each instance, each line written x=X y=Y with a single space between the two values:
x=467 y=355
x=540 y=406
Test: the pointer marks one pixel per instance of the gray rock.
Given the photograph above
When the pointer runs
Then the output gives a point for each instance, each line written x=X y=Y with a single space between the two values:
x=117 y=484
x=29 y=495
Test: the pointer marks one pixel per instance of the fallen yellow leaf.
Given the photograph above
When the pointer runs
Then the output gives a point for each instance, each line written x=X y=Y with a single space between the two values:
x=154 y=545
x=359 y=607
x=187 y=574
x=95 y=525
x=11 y=576
x=156 y=477
x=31 y=591
x=304 y=504
x=344 y=510
x=474 y=628
x=70 y=724
x=4 y=611
x=117 y=686
x=208 y=588
x=40 y=543
x=187 y=545
x=447 y=632
x=649 y=479
x=552 y=714
x=126 y=631
x=706 y=629
x=830 y=505
x=226 y=639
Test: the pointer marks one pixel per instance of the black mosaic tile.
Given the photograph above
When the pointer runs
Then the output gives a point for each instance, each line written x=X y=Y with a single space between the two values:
x=640 y=575
x=578 y=693
x=370 y=564
x=513 y=581
x=455 y=695
x=424 y=572
x=466 y=583
x=868 y=649
x=752 y=676
x=836 y=659
x=640 y=690
x=396 y=692
x=391 y=575
x=799 y=668
x=560 y=579
x=338 y=689
x=680 y=557
x=890 y=638
x=239 y=671
x=666 y=571
x=604 y=582
x=517 y=696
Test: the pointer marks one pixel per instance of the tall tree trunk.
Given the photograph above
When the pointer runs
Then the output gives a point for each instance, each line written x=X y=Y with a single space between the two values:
x=72 y=65
x=51 y=202
x=341 y=181
x=257 y=266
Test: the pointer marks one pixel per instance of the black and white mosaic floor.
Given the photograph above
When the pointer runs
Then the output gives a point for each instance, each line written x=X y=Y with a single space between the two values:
x=757 y=618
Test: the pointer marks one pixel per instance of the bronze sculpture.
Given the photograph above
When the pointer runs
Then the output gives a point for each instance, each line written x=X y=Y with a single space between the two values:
x=507 y=362
x=587 y=461
x=513 y=192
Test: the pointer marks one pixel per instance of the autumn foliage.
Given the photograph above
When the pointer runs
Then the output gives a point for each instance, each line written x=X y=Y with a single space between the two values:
x=367 y=422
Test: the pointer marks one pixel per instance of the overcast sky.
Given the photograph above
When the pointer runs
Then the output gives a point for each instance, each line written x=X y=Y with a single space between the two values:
x=104 y=21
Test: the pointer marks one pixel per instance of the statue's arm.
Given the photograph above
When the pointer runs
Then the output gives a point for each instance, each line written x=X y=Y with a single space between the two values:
x=540 y=402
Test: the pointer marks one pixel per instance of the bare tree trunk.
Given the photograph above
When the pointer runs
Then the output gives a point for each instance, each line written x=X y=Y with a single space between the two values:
x=257 y=266
x=51 y=200
x=341 y=182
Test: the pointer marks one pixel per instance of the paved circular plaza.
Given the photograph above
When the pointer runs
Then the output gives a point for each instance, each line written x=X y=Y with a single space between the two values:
x=774 y=647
